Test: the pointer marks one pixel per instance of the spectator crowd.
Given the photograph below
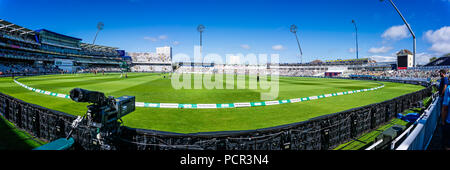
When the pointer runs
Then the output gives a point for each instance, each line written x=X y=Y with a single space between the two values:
x=10 y=69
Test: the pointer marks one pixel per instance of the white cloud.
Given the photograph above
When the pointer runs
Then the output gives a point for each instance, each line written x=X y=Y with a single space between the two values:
x=397 y=32
x=278 y=47
x=245 y=46
x=175 y=42
x=163 y=37
x=440 y=40
x=423 y=58
x=151 y=39
x=442 y=48
x=352 y=50
x=443 y=34
x=379 y=58
x=383 y=49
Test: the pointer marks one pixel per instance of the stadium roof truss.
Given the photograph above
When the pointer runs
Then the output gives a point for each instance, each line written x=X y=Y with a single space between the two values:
x=6 y=26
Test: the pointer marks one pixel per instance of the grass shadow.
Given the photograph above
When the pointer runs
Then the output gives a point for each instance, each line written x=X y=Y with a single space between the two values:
x=12 y=138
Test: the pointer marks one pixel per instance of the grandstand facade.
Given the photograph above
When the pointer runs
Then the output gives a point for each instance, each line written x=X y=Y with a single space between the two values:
x=332 y=68
x=161 y=61
x=24 y=51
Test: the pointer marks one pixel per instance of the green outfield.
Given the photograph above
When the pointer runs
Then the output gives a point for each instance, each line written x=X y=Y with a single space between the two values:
x=155 y=88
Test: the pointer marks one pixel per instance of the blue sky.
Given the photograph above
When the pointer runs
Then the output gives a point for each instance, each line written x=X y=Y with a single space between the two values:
x=246 y=26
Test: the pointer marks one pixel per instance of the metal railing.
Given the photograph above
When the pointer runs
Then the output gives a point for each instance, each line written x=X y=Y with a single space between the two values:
x=371 y=147
x=423 y=129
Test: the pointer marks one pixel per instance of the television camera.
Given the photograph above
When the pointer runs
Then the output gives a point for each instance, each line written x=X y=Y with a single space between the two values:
x=104 y=113
x=103 y=119
x=104 y=110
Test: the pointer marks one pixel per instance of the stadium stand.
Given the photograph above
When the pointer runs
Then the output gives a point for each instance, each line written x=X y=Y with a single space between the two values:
x=9 y=68
x=99 y=69
x=442 y=61
x=349 y=62
x=99 y=51
x=24 y=51
x=336 y=68
x=147 y=68
x=331 y=68
x=161 y=61
x=363 y=68
x=401 y=73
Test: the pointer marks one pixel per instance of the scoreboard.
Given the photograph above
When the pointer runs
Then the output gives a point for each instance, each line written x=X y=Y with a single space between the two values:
x=404 y=61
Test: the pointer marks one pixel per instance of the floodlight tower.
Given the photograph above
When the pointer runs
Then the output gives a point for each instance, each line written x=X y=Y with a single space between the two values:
x=410 y=30
x=294 y=30
x=200 y=29
x=100 y=26
x=357 y=49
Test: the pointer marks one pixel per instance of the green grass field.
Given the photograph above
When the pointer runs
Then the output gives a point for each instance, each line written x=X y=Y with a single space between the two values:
x=148 y=87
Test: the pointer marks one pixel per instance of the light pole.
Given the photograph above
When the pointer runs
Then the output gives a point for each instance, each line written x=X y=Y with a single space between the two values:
x=100 y=26
x=294 y=30
x=357 y=49
x=200 y=29
x=410 y=30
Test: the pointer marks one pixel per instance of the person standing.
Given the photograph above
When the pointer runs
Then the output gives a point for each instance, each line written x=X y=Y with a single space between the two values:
x=445 y=120
x=443 y=83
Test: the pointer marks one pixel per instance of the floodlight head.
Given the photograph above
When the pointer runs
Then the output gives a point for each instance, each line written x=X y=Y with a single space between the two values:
x=293 y=28
x=100 y=25
x=201 y=28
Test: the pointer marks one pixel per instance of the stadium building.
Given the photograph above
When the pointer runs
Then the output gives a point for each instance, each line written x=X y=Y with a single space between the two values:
x=24 y=51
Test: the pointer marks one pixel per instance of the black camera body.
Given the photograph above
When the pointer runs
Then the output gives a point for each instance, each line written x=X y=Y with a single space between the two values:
x=104 y=113
x=104 y=110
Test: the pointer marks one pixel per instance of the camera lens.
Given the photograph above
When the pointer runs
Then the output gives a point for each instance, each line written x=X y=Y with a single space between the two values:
x=76 y=95
x=82 y=95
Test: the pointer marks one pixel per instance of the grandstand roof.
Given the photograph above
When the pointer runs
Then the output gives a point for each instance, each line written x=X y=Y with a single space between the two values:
x=98 y=47
x=40 y=30
x=442 y=61
x=11 y=28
